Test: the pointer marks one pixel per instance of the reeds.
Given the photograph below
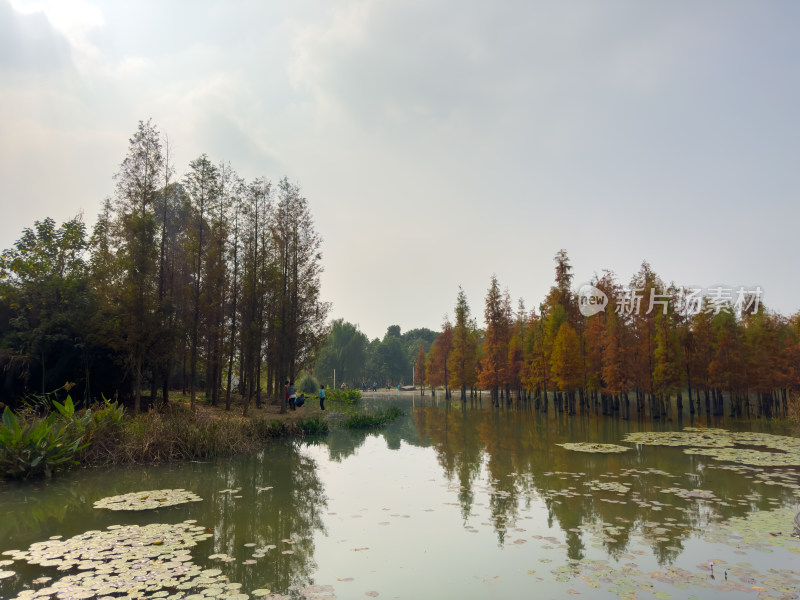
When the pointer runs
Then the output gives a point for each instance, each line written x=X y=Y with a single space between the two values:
x=177 y=434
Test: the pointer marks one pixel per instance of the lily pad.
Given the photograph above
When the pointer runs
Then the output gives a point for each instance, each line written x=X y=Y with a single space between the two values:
x=147 y=500
x=141 y=562
x=594 y=448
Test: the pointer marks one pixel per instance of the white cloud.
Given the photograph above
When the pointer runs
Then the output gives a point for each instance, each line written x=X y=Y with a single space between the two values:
x=437 y=141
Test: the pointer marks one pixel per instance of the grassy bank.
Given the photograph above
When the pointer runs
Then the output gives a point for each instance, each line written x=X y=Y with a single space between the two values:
x=32 y=445
x=176 y=434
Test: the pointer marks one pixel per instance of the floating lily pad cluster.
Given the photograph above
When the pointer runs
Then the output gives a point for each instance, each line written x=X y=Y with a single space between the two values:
x=151 y=561
x=595 y=448
x=690 y=494
x=766 y=532
x=761 y=530
x=608 y=486
x=147 y=500
x=628 y=580
x=720 y=444
x=690 y=436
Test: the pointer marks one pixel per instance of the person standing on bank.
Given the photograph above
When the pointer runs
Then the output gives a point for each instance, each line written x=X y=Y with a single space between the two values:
x=292 y=394
x=322 y=397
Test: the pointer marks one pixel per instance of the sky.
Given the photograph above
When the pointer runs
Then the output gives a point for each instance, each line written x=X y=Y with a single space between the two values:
x=438 y=142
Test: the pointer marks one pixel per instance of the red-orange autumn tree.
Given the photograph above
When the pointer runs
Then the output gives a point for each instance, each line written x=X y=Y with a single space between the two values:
x=495 y=344
x=439 y=355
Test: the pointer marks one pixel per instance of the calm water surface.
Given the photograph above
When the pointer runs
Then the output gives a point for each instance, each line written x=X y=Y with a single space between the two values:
x=451 y=503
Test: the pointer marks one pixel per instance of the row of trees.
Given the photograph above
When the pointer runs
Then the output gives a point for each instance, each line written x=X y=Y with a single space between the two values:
x=653 y=342
x=359 y=362
x=207 y=283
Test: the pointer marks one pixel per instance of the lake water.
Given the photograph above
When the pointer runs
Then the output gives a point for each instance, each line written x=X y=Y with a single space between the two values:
x=455 y=503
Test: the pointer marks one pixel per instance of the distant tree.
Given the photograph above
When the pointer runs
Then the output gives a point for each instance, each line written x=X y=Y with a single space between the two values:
x=494 y=363
x=345 y=350
x=463 y=359
x=419 y=369
x=565 y=363
x=393 y=331
x=516 y=360
x=414 y=337
x=440 y=357
x=392 y=360
x=667 y=359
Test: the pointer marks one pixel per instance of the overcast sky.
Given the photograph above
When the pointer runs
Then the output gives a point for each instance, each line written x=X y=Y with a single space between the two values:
x=437 y=141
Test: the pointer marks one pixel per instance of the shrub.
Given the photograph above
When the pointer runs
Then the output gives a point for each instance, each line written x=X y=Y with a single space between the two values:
x=366 y=421
x=347 y=396
x=37 y=446
x=308 y=385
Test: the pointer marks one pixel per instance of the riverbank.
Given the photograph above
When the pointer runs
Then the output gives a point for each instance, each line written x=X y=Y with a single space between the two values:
x=106 y=435
x=176 y=433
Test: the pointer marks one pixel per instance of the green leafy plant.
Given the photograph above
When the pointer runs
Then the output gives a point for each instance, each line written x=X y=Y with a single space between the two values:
x=36 y=446
x=347 y=396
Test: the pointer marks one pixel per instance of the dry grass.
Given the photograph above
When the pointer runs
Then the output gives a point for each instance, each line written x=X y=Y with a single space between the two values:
x=178 y=434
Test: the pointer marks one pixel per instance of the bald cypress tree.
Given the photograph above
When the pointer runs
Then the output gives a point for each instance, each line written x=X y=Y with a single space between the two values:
x=203 y=187
x=137 y=184
x=463 y=358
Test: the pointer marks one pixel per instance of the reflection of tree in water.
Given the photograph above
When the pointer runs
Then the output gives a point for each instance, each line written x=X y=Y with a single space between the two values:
x=343 y=443
x=458 y=448
x=523 y=464
x=30 y=515
x=290 y=510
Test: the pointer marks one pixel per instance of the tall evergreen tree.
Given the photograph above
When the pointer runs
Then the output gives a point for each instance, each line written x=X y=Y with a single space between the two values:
x=463 y=359
x=137 y=184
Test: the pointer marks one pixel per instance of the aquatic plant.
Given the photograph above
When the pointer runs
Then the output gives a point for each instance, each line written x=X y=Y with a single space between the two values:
x=594 y=448
x=720 y=444
x=36 y=446
x=366 y=421
x=147 y=500
x=151 y=561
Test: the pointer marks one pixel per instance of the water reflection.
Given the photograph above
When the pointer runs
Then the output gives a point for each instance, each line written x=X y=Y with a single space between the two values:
x=250 y=502
x=518 y=451
x=443 y=490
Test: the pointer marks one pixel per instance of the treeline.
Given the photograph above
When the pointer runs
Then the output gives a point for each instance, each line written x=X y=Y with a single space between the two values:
x=205 y=283
x=360 y=362
x=651 y=343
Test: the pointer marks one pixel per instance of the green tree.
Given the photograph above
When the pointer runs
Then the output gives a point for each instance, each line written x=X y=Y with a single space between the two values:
x=45 y=306
x=203 y=186
x=298 y=324
x=345 y=350
x=463 y=359
x=565 y=362
x=419 y=369
x=137 y=184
